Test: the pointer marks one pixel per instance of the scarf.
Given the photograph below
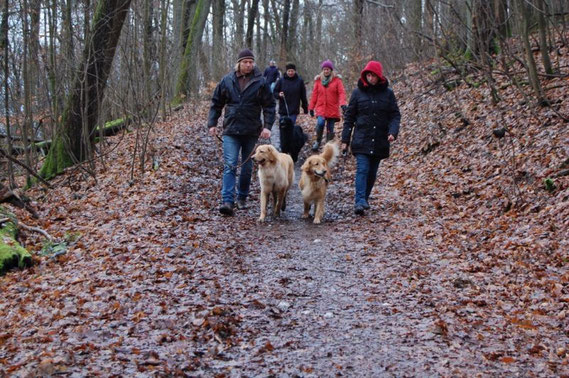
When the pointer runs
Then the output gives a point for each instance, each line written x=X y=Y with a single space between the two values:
x=326 y=80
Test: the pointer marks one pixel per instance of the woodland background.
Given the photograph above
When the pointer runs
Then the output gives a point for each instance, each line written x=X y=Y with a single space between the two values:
x=69 y=67
x=460 y=266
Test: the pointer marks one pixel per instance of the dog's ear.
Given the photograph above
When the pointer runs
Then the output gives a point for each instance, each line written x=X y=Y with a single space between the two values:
x=272 y=152
x=306 y=165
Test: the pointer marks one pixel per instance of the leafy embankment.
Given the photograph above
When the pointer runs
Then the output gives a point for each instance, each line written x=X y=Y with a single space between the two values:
x=461 y=264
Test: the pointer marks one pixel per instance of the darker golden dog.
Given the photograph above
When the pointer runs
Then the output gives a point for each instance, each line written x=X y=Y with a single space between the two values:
x=314 y=180
x=276 y=175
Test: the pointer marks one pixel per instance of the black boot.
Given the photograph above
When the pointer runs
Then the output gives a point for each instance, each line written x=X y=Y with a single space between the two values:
x=329 y=136
x=316 y=144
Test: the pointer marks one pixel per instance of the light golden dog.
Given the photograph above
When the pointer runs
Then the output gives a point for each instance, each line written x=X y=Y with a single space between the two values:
x=276 y=175
x=314 y=180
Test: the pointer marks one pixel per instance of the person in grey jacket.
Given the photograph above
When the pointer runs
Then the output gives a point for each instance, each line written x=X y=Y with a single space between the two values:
x=374 y=116
x=245 y=94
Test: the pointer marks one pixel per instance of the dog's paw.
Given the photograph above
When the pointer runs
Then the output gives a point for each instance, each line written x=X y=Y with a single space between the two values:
x=261 y=219
x=317 y=221
x=304 y=216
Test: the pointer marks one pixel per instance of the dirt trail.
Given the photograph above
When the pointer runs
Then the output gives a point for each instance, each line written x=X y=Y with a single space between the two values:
x=162 y=284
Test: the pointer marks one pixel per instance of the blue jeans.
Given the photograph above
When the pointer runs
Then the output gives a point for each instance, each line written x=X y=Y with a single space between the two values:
x=320 y=121
x=366 y=173
x=231 y=146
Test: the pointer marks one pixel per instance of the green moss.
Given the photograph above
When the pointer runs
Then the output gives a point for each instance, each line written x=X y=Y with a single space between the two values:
x=56 y=161
x=12 y=254
x=113 y=123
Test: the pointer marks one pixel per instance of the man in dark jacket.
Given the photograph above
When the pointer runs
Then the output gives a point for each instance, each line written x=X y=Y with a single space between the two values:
x=271 y=74
x=245 y=94
x=374 y=113
x=291 y=93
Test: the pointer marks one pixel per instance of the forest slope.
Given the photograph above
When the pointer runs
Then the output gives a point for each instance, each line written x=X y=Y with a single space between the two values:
x=461 y=264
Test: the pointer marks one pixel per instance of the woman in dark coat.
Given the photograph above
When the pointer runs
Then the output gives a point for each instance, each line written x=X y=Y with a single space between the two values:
x=291 y=93
x=374 y=116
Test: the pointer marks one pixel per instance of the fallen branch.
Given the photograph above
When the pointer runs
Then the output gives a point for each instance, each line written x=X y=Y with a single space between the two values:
x=36 y=229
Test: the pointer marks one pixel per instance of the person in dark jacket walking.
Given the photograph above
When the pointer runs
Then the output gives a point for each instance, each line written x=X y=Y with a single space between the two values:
x=374 y=116
x=291 y=93
x=245 y=94
x=271 y=74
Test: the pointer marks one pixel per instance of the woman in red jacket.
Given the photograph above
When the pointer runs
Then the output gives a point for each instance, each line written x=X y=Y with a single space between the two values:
x=328 y=96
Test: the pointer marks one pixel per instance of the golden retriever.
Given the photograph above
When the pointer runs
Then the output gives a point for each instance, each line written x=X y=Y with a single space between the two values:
x=276 y=175
x=314 y=180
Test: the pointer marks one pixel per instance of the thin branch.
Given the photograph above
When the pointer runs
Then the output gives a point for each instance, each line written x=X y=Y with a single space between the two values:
x=380 y=4
x=27 y=168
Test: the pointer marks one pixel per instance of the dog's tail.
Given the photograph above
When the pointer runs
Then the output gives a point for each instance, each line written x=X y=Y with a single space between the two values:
x=330 y=153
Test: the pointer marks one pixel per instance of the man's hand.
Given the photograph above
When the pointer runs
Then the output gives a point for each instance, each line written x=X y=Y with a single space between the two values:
x=390 y=138
x=265 y=134
x=213 y=131
x=281 y=94
x=312 y=113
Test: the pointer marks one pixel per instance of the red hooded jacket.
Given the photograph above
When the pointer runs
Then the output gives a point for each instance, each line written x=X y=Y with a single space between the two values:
x=326 y=101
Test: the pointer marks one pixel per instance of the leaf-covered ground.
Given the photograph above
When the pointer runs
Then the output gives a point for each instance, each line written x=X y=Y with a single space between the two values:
x=461 y=267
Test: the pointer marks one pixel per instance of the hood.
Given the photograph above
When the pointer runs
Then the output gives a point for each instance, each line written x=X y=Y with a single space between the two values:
x=364 y=86
x=375 y=67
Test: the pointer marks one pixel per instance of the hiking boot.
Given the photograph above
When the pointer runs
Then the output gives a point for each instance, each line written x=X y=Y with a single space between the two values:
x=359 y=210
x=241 y=204
x=316 y=144
x=226 y=208
x=366 y=206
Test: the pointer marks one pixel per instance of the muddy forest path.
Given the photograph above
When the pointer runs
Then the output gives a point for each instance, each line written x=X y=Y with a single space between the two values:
x=161 y=284
x=315 y=300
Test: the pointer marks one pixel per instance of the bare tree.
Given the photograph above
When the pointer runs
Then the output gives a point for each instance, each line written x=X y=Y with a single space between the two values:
x=253 y=10
x=541 y=7
x=187 y=77
x=218 y=47
x=76 y=135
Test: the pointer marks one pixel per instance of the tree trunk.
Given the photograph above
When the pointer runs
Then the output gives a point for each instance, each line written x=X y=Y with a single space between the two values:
x=318 y=39
x=283 y=54
x=292 y=30
x=163 y=69
x=26 y=68
x=187 y=77
x=541 y=7
x=5 y=46
x=415 y=19
x=530 y=61
x=147 y=48
x=239 y=20
x=188 y=12
x=74 y=140
x=218 y=9
x=251 y=23
x=501 y=17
